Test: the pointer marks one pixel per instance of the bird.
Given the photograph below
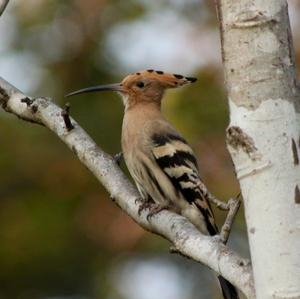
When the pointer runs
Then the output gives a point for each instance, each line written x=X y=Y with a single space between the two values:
x=159 y=159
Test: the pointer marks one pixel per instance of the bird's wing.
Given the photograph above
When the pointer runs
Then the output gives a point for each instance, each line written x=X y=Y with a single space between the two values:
x=176 y=159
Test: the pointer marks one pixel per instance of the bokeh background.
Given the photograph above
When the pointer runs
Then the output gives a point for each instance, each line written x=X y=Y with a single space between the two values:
x=60 y=235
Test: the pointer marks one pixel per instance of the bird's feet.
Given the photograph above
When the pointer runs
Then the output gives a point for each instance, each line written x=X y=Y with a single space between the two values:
x=155 y=208
x=144 y=205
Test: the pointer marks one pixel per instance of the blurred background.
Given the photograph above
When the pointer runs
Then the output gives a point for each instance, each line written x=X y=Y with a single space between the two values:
x=61 y=237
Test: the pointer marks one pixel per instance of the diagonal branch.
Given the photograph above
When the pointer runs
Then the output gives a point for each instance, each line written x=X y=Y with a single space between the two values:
x=186 y=239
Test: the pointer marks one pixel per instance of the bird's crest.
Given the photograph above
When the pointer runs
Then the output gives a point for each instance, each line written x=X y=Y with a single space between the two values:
x=169 y=80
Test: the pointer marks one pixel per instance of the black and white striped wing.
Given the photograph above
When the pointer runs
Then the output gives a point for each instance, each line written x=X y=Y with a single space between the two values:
x=176 y=159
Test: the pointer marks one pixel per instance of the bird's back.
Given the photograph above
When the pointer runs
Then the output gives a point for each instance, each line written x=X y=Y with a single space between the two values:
x=164 y=167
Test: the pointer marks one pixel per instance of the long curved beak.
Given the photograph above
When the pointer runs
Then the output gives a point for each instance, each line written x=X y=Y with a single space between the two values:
x=111 y=87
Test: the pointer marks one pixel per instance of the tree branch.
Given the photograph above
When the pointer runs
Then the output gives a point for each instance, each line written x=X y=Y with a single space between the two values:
x=233 y=207
x=186 y=238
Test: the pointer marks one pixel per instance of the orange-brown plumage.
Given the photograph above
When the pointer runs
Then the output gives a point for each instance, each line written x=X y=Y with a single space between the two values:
x=168 y=80
x=154 y=84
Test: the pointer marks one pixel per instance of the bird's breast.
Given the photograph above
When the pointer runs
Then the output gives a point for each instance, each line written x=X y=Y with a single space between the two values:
x=135 y=129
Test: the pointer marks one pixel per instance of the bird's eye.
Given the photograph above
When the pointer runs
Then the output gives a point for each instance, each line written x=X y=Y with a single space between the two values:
x=140 y=84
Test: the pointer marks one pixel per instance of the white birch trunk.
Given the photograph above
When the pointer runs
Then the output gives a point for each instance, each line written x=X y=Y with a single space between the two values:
x=263 y=137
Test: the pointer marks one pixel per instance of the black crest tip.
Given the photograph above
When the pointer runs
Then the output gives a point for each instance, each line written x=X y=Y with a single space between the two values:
x=191 y=79
x=177 y=76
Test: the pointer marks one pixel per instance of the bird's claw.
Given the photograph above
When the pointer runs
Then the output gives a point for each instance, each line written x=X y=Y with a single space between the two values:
x=143 y=206
x=155 y=209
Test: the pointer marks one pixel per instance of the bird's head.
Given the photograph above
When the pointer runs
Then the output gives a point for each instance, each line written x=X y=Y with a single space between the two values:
x=144 y=86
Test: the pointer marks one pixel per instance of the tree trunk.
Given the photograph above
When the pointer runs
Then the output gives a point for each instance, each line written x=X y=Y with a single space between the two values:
x=263 y=137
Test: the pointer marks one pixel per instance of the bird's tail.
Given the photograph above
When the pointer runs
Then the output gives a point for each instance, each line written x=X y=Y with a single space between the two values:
x=228 y=290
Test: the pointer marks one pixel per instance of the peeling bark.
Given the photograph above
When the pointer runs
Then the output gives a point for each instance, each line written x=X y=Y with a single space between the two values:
x=237 y=139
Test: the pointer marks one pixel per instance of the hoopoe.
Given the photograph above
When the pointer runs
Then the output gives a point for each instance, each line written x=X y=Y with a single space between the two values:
x=158 y=158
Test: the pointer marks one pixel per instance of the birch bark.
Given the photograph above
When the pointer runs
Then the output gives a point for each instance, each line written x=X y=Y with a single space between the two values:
x=263 y=137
